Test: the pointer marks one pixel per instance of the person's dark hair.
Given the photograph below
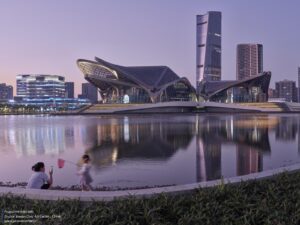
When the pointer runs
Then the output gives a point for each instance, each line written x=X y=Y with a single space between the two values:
x=38 y=166
x=85 y=156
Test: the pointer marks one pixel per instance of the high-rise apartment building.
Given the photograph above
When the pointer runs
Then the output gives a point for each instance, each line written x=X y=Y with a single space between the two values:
x=6 y=92
x=69 y=86
x=208 y=56
x=31 y=86
x=89 y=91
x=286 y=89
x=249 y=60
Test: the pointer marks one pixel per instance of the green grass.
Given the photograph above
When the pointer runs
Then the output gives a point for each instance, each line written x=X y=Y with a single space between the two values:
x=273 y=201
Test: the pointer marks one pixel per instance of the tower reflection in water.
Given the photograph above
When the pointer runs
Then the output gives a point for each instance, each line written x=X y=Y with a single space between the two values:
x=158 y=140
x=112 y=139
x=154 y=139
x=248 y=134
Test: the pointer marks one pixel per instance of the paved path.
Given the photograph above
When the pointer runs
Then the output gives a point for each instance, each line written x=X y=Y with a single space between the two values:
x=140 y=193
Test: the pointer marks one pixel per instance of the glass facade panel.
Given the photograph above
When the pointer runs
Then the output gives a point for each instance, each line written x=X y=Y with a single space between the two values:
x=240 y=94
x=97 y=70
x=177 y=92
x=127 y=95
x=248 y=90
x=208 y=56
x=40 y=86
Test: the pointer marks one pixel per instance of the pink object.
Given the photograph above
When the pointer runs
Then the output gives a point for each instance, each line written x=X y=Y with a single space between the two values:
x=60 y=163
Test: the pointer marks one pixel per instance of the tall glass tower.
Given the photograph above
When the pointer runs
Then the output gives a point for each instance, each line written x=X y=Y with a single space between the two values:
x=208 y=47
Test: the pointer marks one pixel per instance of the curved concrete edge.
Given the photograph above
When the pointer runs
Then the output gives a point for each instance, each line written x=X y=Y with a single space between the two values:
x=183 y=104
x=91 y=196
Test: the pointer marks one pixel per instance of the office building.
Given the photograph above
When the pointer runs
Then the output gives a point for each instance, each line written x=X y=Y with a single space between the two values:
x=287 y=90
x=135 y=84
x=69 y=87
x=208 y=40
x=32 y=86
x=6 y=92
x=249 y=60
x=89 y=91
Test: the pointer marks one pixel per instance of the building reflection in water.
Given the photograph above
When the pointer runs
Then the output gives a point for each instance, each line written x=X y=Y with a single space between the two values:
x=36 y=136
x=157 y=138
x=37 y=140
x=126 y=139
x=287 y=128
x=248 y=134
x=249 y=160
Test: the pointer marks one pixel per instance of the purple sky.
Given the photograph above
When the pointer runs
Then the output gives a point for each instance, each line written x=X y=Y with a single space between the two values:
x=47 y=37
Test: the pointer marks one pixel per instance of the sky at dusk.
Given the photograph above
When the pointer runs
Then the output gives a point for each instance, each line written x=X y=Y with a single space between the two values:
x=47 y=37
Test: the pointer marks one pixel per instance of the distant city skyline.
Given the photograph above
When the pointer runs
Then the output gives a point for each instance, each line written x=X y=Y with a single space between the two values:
x=48 y=37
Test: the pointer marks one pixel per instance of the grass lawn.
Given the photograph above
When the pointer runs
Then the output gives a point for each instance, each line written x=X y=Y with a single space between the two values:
x=273 y=201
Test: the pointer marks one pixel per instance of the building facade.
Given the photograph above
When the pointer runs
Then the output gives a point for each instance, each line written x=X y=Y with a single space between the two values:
x=69 y=87
x=136 y=84
x=31 y=86
x=249 y=60
x=208 y=40
x=253 y=89
x=89 y=91
x=272 y=93
x=6 y=92
x=287 y=90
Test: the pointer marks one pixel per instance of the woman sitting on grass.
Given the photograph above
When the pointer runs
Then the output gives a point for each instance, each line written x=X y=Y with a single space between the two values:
x=39 y=179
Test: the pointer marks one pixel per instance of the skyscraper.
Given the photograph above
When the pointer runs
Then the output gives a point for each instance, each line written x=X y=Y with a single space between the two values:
x=69 y=86
x=249 y=60
x=208 y=56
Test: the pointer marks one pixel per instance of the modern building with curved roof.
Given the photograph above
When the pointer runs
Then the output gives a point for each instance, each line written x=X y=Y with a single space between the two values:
x=253 y=89
x=136 y=84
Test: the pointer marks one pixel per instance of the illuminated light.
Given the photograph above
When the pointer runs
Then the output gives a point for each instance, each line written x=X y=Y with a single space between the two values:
x=126 y=99
x=126 y=130
x=114 y=155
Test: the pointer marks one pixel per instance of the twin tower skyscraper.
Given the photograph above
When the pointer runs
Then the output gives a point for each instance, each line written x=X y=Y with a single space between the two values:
x=208 y=56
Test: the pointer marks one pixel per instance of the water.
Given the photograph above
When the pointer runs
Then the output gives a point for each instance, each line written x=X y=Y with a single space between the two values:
x=148 y=150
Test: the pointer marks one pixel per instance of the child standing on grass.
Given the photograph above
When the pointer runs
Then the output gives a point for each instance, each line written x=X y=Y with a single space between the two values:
x=84 y=173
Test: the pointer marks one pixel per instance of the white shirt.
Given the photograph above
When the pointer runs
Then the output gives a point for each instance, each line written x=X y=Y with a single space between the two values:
x=84 y=172
x=37 y=180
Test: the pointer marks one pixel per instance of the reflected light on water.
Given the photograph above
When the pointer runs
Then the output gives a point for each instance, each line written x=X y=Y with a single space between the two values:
x=151 y=149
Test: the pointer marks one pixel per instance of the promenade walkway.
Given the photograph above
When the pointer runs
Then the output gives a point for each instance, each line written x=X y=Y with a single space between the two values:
x=90 y=196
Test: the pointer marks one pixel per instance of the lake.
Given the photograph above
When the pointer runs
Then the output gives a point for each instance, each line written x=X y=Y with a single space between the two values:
x=148 y=150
